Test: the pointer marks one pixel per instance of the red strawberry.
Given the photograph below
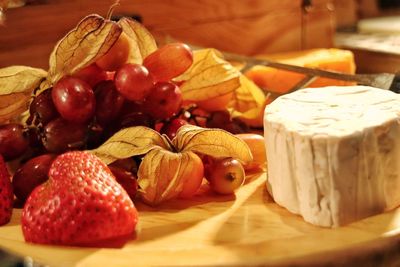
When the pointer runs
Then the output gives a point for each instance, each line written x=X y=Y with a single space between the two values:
x=81 y=204
x=6 y=193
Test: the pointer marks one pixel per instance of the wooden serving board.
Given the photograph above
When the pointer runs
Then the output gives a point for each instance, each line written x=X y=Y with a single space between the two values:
x=246 y=230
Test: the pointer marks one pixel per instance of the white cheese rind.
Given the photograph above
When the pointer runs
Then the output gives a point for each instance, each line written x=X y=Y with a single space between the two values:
x=334 y=153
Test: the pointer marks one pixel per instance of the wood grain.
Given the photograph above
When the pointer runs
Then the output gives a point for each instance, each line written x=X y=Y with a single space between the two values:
x=243 y=26
x=346 y=13
x=319 y=24
x=249 y=230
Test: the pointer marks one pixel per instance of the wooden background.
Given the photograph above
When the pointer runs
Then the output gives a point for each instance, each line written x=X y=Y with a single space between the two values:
x=244 y=26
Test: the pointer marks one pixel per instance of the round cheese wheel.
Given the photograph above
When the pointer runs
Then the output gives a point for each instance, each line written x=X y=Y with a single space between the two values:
x=334 y=153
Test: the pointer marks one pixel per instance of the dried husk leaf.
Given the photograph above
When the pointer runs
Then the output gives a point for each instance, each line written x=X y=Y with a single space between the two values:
x=11 y=106
x=17 y=79
x=248 y=102
x=141 y=41
x=208 y=77
x=129 y=142
x=16 y=86
x=213 y=142
x=91 y=39
x=164 y=169
x=161 y=174
x=247 y=96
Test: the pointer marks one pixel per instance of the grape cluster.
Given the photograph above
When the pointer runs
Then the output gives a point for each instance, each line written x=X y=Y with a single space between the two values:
x=83 y=110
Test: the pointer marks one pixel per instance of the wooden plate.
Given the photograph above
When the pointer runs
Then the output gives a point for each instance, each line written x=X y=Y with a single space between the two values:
x=218 y=230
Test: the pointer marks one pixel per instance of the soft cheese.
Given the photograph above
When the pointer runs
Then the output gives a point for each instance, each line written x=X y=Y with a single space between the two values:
x=334 y=153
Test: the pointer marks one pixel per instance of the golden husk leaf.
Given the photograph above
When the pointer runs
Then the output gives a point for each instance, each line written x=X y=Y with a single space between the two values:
x=141 y=41
x=11 y=106
x=161 y=174
x=213 y=142
x=91 y=39
x=248 y=102
x=166 y=164
x=208 y=77
x=129 y=142
x=16 y=86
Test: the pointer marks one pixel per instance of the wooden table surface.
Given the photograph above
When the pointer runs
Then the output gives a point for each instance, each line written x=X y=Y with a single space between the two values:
x=246 y=230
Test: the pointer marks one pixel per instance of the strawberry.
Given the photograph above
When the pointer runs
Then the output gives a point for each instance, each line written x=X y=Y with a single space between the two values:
x=81 y=205
x=6 y=193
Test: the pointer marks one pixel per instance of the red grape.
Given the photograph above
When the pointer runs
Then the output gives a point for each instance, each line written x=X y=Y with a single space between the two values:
x=108 y=102
x=61 y=135
x=126 y=164
x=172 y=127
x=225 y=175
x=34 y=137
x=95 y=136
x=132 y=106
x=126 y=179
x=110 y=75
x=169 y=61
x=133 y=81
x=92 y=74
x=33 y=173
x=136 y=119
x=164 y=100
x=43 y=107
x=74 y=99
x=13 y=142
x=222 y=119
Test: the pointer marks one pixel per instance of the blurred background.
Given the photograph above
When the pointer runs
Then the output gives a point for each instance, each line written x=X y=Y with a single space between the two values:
x=369 y=28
